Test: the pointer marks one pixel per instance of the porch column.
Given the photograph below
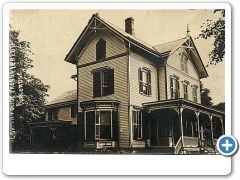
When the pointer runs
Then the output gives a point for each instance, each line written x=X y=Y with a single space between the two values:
x=31 y=139
x=198 y=126
x=211 y=126
x=181 y=125
x=221 y=119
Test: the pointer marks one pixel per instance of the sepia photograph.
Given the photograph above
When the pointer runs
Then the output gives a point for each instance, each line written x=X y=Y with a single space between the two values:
x=108 y=81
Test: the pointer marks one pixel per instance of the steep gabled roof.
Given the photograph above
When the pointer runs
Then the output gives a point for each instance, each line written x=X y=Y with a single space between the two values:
x=162 y=50
x=96 y=23
x=170 y=46
x=69 y=97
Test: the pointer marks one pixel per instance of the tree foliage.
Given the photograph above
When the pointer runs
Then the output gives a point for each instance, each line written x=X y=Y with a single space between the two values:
x=205 y=96
x=217 y=31
x=27 y=93
x=220 y=106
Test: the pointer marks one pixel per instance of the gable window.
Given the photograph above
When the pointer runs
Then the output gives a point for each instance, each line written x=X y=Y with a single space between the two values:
x=103 y=82
x=184 y=63
x=74 y=110
x=137 y=125
x=101 y=49
x=194 y=93
x=185 y=89
x=174 y=85
x=52 y=114
x=145 y=81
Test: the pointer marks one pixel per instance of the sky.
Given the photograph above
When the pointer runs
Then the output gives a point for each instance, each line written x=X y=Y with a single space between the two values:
x=52 y=33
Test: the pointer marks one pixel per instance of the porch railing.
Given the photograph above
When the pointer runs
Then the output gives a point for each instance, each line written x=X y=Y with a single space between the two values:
x=207 y=147
x=178 y=146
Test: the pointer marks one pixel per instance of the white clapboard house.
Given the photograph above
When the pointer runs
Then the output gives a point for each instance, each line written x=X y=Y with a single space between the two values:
x=132 y=95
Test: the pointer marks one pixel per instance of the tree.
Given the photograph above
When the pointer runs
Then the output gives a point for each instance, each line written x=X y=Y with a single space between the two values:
x=217 y=31
x=27 y=93
x=205 y=96
x=220 y=106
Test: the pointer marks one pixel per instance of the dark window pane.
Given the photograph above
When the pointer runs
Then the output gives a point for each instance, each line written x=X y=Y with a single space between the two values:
x=101 y=49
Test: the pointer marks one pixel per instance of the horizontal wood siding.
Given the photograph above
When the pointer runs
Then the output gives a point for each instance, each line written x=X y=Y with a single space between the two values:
x=136 y=62
x=64 y=114
x=85 y=87
x=173 y=68
x=162 y=83
x=114 y=46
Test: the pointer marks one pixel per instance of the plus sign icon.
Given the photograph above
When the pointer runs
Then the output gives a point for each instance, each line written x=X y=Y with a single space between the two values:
x=227 y=145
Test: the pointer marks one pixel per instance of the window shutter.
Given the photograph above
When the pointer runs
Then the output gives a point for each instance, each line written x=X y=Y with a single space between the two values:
x=178 y=89
x=115 y=125
x=90 y=126
x=111 y=81
x=80 y=126
x=171 y=86
x=140 y=80
x=149 y=84
x=145 y=125
x=96 y=84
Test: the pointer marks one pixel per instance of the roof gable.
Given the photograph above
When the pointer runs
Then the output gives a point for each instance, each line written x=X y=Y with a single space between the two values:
x=97 y=24
x=169 y=48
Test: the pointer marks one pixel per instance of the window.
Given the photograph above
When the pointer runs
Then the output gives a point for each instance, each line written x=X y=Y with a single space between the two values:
x=101 y=49
x=174 y=85
x=103 y=125
x=144 y=81
x=194 y=92
x=103 y=82
x=137 y=125
x=185 y=89
x=184 y=63
x=74 y=111
x=52 y=114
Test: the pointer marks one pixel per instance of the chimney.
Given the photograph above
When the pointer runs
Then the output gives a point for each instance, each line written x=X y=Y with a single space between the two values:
x=129 y=26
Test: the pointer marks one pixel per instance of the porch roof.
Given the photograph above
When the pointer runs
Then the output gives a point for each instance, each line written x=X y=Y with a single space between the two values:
x=50 y=124
x=181 y=102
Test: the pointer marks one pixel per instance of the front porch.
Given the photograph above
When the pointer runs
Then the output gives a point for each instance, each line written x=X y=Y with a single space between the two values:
x=184 y=126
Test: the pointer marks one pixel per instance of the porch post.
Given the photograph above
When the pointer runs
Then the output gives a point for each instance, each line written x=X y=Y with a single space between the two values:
x=221 y=119
x=211 y=126
x=181 y=124
x=198 y=126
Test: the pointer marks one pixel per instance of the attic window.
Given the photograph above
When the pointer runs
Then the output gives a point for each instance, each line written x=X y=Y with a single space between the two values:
x=184 y=63
x=101 y=49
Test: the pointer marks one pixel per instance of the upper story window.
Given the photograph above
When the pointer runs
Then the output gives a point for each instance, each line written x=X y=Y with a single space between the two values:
x=101 y=49
x=174 y=85
x=185 y=89
x=184 y=63
x=103 y=82
x=194 y=93
x=74 y=110
x=145 y=81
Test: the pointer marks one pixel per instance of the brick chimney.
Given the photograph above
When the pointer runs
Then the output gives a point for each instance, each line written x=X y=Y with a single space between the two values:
x=129 y=26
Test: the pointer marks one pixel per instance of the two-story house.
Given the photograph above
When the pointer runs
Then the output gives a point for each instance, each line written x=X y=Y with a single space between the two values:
x=133 y=95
